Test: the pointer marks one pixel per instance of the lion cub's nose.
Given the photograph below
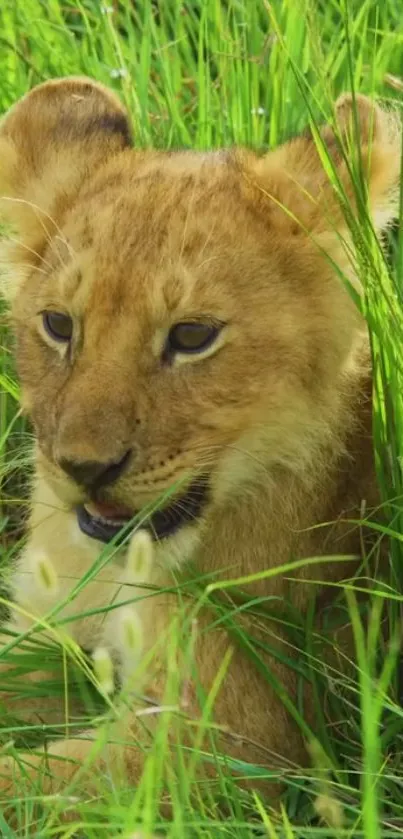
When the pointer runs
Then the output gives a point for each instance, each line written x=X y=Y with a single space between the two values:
x=90 y=473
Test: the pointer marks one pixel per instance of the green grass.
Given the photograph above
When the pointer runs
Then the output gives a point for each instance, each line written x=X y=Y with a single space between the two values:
x=206 y=74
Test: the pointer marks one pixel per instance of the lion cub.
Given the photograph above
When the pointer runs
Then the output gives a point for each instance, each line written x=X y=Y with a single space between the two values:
x=182 y=331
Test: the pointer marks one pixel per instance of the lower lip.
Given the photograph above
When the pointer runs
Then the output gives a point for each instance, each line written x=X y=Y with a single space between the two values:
x=101 y=529
x=161 y=524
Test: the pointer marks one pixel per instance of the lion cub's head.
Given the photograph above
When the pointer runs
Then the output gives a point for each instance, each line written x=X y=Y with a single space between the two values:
x=178 y=316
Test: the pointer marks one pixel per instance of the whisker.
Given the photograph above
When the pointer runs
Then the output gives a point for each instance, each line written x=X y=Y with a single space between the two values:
x=206 y=242
x=40 y=214
x=185 y=226
x=39 y=210
x=233 y=447
x=67 y=244
x=184 y=509
x=30 y=250
x=28 y=265
x=207 y=261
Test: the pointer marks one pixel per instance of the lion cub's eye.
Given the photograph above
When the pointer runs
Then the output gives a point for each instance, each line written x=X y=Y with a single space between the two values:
x=191 y=337
x=58 y=326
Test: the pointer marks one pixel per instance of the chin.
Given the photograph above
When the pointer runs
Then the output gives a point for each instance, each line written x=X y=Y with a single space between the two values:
x=171 y=552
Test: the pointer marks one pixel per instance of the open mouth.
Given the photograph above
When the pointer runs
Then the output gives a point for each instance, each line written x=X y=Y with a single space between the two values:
x=106 y=521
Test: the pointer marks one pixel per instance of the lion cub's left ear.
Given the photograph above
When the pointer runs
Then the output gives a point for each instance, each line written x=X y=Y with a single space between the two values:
x=50 y=142
x=307 y=177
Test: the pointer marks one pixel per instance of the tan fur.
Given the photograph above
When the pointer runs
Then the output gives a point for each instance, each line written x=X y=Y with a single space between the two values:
x=129 y=243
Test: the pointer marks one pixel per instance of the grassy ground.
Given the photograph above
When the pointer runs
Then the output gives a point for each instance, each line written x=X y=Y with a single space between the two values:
x=204 y=74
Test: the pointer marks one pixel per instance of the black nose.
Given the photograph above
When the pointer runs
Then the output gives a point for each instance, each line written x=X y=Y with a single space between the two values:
x=95 y=473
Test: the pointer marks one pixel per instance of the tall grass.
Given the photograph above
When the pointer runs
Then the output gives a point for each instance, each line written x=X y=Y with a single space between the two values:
x=206 y=74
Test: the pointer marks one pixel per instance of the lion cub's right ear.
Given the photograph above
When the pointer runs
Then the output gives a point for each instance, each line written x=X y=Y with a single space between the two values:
x=50 y=141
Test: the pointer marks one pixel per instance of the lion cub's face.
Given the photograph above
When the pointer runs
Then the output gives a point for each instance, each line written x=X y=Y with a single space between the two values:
x=167 y=325
x=175 y=328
